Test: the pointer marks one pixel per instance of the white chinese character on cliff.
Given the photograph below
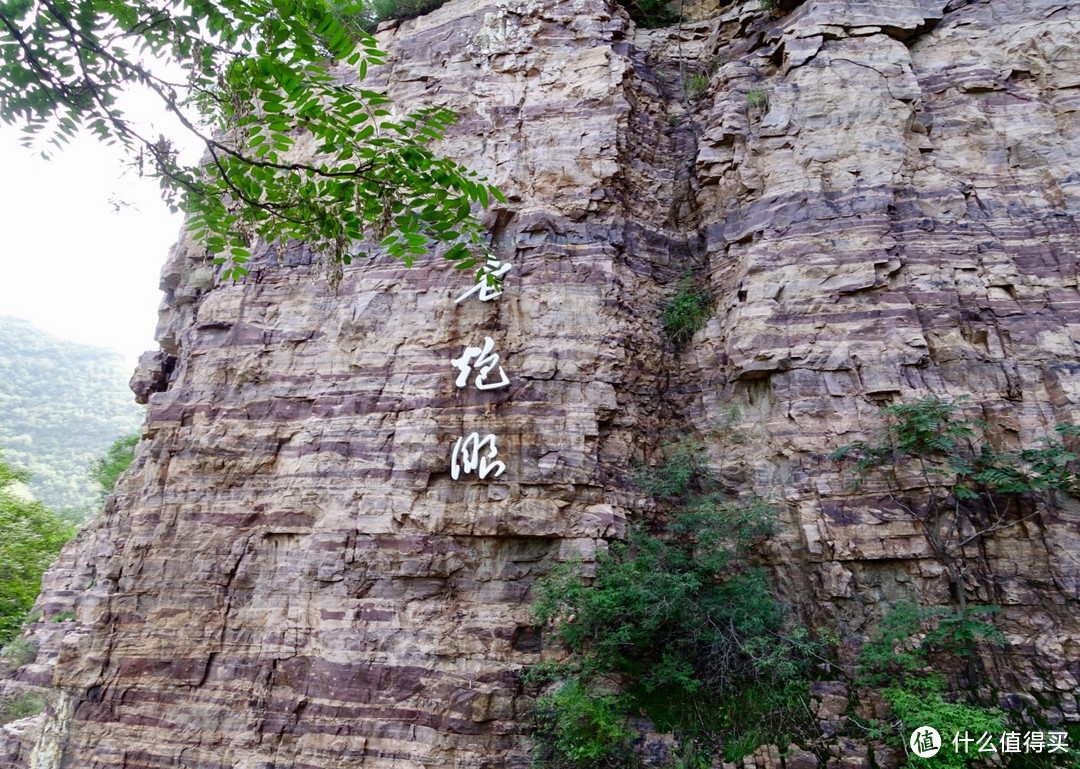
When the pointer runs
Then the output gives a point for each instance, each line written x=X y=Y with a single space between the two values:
x=486 y=360
x=485 y=293
x=466 y=457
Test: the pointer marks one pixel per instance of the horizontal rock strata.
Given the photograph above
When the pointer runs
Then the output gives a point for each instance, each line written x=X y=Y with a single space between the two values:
x=898 y=218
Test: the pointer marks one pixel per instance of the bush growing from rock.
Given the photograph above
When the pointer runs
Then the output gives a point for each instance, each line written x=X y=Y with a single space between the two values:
x=680 y=619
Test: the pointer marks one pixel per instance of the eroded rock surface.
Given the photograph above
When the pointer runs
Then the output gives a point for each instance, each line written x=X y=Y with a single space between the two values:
x=899 y=218
x=884 y=196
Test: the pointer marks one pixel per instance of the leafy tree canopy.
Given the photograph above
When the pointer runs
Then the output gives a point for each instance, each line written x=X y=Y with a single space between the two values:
x=957 y=492
x=107 y=469
x=254 y=83
x=30 y=539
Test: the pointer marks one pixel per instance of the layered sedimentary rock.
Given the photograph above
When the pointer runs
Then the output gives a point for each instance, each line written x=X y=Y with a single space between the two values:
x=900 y=219
x=884 y=197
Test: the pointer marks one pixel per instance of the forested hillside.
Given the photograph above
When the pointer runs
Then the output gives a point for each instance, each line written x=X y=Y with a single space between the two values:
x=61 y=406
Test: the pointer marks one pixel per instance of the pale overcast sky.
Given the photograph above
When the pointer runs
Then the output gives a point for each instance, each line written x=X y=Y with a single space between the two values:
x=71 y=261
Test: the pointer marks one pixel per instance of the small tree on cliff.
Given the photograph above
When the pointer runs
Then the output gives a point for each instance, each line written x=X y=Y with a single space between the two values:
x=956 y=492
x=254 y=78
x=107 y=469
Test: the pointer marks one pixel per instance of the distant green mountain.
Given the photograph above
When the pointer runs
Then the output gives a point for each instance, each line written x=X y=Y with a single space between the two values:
x=61 y=406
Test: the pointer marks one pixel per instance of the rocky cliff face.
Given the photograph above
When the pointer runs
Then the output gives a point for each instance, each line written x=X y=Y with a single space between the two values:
x=289 y=576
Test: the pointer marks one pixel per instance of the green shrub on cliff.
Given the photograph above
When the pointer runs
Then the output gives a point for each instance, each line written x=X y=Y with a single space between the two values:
x=958 y=491
x=756 y=98
x=896 y=661
x=18 y=652
x=925 y=705
x=22 y=705
x=366 y=17
x=107 y=469
x=899 y=644
x=578 y=725
x=687 y=311
x=384 y=10
x=696 y=86
x=677 y=614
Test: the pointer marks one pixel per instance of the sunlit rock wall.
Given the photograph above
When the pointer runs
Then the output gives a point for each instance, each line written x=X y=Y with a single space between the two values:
x=899 y=219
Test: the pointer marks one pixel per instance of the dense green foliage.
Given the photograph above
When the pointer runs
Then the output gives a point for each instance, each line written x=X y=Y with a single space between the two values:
x=899 y=645
x=30 y=539
x=922 y=703
x=650 y=14
x=256 y=81
x=375 y=11
x=896 y=660
x=581 y=725
x=687 y=311
x=107 y=468
x=958 y=492
x=18 y=652
x=680 y=619
x=61 y=405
